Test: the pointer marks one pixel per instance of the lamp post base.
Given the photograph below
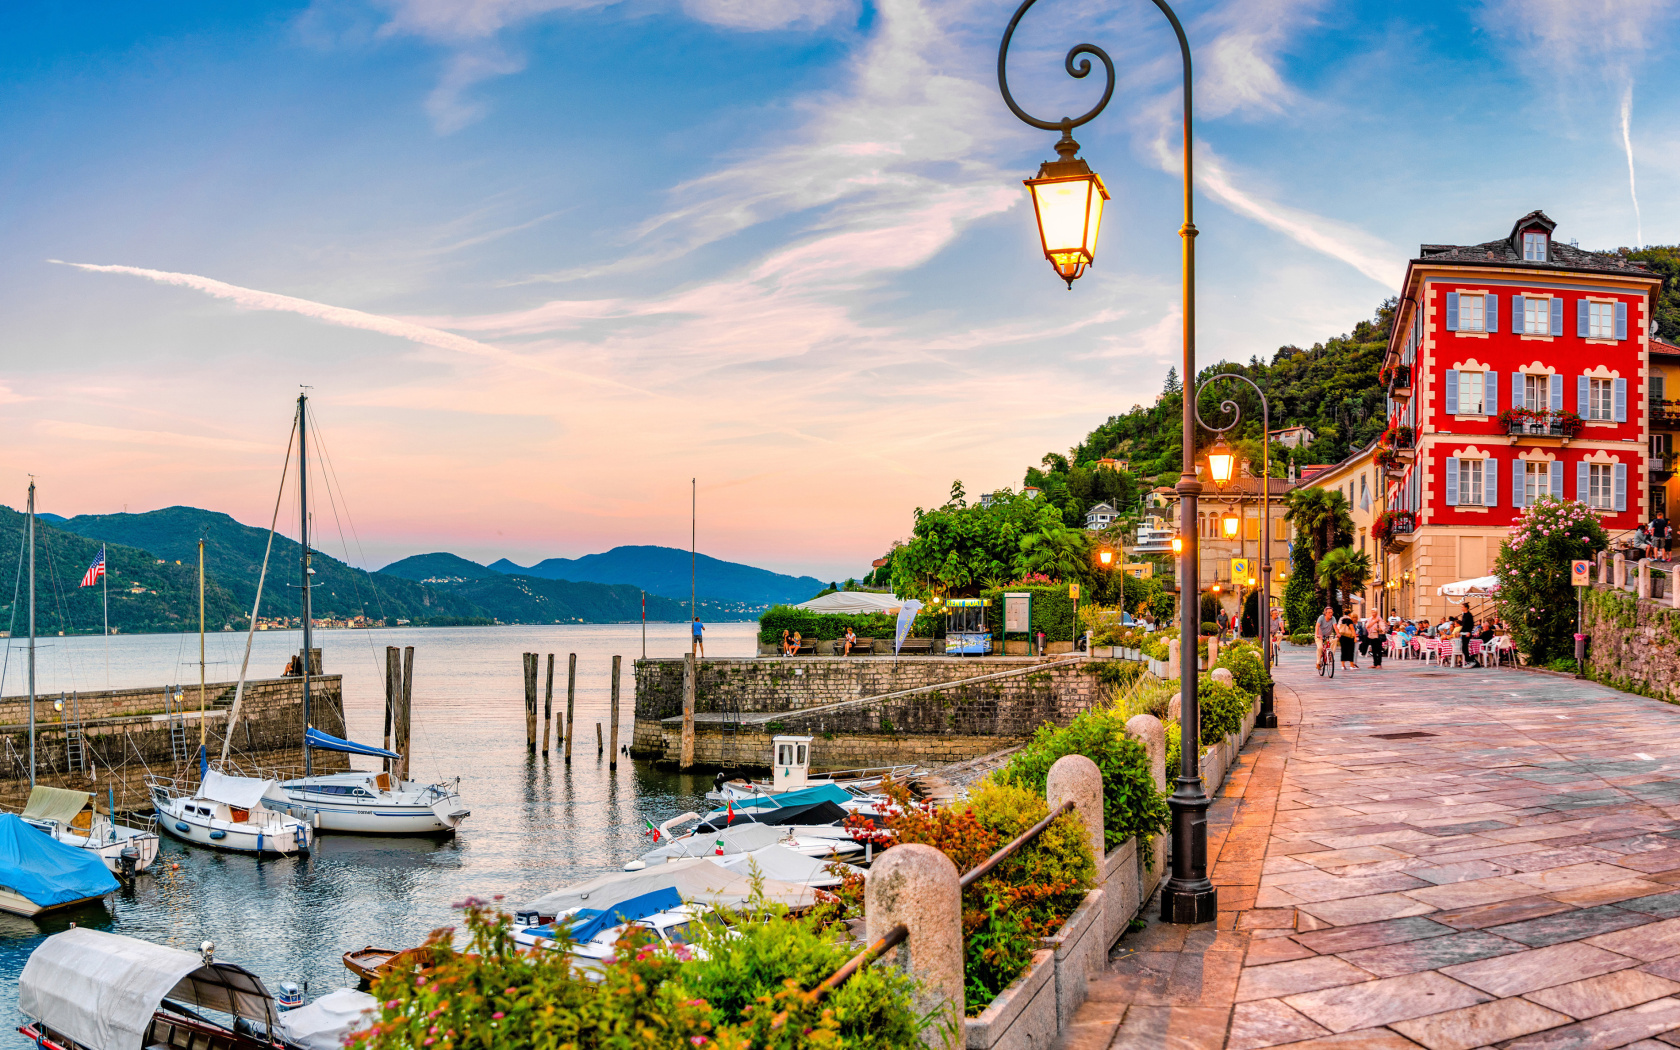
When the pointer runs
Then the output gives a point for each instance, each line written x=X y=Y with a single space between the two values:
x=1189 y=896
x=1267 y=718
x=1188 y=905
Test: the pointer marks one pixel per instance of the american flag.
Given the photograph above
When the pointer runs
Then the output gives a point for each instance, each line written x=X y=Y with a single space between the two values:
x=96 y=570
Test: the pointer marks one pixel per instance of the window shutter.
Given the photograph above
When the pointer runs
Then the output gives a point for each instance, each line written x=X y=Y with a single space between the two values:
x=1519 y=482
x=1557 y=478
x=1621 y=401
x=1583 y=396
x=1557 y=388
x=1621 y=486
x=1490 y=482
x=1517 y=391
x=1452 y=311
x=1490 y=393
x=1557 y=317
x=1582 y=491
x=1490 y=313
x=1621 y=320
x=1451 y=407
x=1516 y=314
x=1452 y=481
x=1581 y=309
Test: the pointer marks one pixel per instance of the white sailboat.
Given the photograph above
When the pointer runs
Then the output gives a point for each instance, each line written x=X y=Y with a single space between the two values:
x=71 y=818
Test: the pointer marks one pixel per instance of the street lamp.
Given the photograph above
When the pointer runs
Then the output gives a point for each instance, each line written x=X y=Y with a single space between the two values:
x=1231 y=524
x=1068 y=200
x=1189 y=895
x=1220 y=461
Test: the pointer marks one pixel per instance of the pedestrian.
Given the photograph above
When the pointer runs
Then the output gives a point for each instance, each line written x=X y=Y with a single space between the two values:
x=1224 y=622
x=1661 y=535
x=851 y=640
x=785 y=643
x=1349 y=638
x=699 y=634
x=1375 y=632
x=1466 y=627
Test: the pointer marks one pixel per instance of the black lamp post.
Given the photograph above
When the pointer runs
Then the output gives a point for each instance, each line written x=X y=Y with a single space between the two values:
x=1067 y=200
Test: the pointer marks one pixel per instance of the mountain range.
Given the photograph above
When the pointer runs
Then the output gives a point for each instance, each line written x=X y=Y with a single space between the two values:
x=665 y=570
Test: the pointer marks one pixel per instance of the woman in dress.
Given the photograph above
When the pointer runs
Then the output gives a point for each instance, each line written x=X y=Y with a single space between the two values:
x=1349 y=638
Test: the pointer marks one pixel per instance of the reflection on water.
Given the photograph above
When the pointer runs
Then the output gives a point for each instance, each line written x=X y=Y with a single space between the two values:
x=535 y=824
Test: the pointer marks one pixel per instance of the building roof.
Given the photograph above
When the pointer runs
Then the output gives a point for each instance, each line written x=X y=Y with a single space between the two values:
x=1288 y=430
x=1660 y=348
x=1507 y=251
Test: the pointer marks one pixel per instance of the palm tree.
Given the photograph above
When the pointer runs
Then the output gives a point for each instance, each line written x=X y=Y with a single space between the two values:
x=1322 y=516
x=1058 y=552
x=1344 y=570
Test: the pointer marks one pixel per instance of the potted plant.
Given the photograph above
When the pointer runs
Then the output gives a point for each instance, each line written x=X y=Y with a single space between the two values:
x=1387 y=458
x=1520 y=420
x=1568 y=423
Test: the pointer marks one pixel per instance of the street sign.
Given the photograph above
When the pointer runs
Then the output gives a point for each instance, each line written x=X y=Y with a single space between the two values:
x=1580 y=571
x=1239 y=569
x=1017 y=613
x=1073 y=591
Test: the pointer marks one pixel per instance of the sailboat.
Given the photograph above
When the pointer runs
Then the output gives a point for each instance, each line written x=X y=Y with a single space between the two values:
x=386 y=803
x=223 y=811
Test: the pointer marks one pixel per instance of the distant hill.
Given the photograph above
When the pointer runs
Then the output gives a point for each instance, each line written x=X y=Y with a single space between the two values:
x=438 y=568
x=664 y=571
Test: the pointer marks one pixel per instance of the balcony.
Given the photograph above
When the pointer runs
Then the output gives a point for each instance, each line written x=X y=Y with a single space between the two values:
x=1657 y=468
x=1550 y=428
x=1665 y=414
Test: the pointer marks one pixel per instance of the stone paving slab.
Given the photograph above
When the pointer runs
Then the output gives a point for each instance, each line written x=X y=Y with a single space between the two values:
x=1511 y=878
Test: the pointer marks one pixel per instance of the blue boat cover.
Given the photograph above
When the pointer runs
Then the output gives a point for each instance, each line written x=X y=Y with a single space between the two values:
x=45 y=870
x=803 y=797
x=327 y=742
x=628 y=911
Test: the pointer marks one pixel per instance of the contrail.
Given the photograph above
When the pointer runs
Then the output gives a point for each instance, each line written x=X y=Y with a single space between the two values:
x=1627 y=145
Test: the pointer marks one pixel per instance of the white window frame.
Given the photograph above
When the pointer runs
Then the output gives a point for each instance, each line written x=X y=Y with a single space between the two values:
x=1537 y=316
x=1601 y=320
x=1470 y=477
x=1601 y=486
x=1472 y=316
x=1477 y=402
x=1601 y=399
x=1537 y=480
x=1534 y=247
x=1537 y=393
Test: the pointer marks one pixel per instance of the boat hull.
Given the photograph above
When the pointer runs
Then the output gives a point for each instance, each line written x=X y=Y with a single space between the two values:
x=15 y=903
x=375 y=815
x=281 y=840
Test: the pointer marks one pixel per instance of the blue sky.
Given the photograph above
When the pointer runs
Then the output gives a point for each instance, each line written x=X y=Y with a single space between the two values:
x=543 y=261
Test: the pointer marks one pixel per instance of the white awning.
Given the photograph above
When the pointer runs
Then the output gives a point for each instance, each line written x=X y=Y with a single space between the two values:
x=239 y=792
x=852 y=602
x=101 y=989
x=696 y=879
x=1481 y=586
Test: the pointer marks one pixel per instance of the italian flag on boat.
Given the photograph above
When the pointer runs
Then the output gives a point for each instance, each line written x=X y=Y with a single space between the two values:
x=651 y=830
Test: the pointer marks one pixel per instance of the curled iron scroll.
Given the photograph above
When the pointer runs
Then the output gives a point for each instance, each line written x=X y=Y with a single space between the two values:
x=1228 y=407
x=1078 y=70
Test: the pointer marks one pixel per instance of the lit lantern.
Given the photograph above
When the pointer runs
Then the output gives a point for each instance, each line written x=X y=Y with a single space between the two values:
x=1106 y=556
x=1178 y=545
x=1068 y=199
x=1220 y=461
x=1231 y=524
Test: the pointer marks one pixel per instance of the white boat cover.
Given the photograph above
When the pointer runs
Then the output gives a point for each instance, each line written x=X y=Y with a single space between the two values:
x=323 y=1024
x=786 y=865
x=239 y=792
x=742 y=838
x=50 y=803
x=852 y=602
x=697 y=879
x=101 y=989
x=1481 y=585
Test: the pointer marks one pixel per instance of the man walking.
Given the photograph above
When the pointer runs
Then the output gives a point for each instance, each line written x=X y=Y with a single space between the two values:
x=699 y=637
x=1467 y=626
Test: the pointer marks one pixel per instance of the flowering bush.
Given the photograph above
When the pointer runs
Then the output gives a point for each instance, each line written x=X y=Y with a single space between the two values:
x=1386 y=458
x=1536 y=597
x=1570 y=423
x=1521 y=416
x=1398 y=435
x=1390 y=523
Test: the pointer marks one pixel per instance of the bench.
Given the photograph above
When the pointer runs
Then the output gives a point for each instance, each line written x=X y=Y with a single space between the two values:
x=917 y=645
x=860 y=647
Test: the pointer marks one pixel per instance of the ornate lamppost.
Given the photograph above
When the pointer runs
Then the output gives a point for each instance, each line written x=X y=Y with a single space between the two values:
x=1068 y=200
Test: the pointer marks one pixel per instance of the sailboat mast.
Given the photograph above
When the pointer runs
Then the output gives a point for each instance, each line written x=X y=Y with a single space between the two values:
x=201 y=729
x=105 y=580
x=303 y=531
x=32 y=634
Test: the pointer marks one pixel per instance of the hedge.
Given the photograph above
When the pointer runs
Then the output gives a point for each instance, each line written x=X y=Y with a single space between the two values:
x=829 y=626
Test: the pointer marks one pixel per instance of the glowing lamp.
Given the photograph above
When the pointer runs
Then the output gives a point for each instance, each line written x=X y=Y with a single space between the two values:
x=1220 y=461
x=1068 y=201
x=1216 y=588
x=1178 y=544
x=1251 y=581
x=1105 y=556
x=1231 y=524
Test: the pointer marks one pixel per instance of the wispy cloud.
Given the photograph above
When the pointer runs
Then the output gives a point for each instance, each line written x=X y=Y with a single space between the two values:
x=1627 y=146
x=59 y=428
x=1238 y=69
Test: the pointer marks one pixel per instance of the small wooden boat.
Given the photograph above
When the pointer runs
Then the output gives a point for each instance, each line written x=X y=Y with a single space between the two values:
x=370 y=963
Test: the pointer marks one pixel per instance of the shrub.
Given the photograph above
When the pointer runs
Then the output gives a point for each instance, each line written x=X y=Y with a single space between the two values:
x=1119 y=673
x=1209 y=627
x=1223 y=708
x=1247 y=666
x=1131 y=805
x=1536 y=596
x=1154 y=648
x=1302 y=638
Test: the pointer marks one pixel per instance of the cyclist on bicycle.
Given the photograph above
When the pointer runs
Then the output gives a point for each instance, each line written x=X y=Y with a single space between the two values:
x=1325 y=631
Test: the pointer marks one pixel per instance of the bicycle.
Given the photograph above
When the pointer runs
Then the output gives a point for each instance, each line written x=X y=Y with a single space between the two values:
x=1326 y=662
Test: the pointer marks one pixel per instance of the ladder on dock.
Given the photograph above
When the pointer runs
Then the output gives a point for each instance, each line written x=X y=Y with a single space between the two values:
x=729 y=729
x=75 y=743
x=177 y=726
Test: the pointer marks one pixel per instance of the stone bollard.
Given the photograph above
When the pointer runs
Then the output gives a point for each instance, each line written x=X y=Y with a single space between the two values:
x=1223 y=674
x=1618 y=569
x=1601 y=560
x=1081 y=946
x=918 y=886
x=1148 y=729
x=1076 y=778
x=1213 y=650
x=1644 y=579
x=1173 y=669
x=1673 y=594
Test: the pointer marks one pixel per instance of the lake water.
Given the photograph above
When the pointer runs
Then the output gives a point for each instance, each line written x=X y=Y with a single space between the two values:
x=535 y=825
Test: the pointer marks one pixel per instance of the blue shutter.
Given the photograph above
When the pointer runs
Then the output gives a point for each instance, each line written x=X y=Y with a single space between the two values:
x=1519 y=482
x=1490 y=482
x=1490 y=312
x=1621 y=320
x=1517 y=391
x=1557 y=478
x=1581 y=309
x=1451 y=407
x=1556 y=383
x=1516 y=314
x=1621 y=486
x=1557 y=317
x=1582 y=491
x=1621 y=401
x=1452 y=311
x=1490 y=393
x=1452 y=481
x=1583 y=397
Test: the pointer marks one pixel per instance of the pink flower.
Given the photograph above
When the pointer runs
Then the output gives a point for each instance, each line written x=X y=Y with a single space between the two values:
x=497 y=1016
x=698 y=1040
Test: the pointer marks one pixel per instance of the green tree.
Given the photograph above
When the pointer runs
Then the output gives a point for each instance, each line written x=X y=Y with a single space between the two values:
x=1343 y=573
x=1056 y=551
x=1536 y=597
x=957 y=549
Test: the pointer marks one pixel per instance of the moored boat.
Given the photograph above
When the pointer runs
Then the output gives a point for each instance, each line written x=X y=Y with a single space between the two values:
x=71 y=818
x=372 y=803
x=40 y=874
x=370 y=963
x=231 y=813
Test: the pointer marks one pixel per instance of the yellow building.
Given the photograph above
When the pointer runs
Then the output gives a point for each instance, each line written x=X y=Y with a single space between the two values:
x=1240 y=496
x=1664 y=487
x=1360 y=480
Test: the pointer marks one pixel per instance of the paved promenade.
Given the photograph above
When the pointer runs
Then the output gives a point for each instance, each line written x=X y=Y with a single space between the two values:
x=1429 y=857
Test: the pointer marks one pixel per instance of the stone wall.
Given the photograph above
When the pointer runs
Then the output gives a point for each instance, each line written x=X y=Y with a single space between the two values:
x=941 y=725
x=1633 y=643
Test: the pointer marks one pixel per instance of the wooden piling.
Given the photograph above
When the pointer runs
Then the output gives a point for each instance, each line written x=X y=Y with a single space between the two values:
x=571 y=698
x=598 y=744
x=686 y=757
x=548 y=704
x=531 y=702
x=612 y=755
x=405 y=713
x=393 y=692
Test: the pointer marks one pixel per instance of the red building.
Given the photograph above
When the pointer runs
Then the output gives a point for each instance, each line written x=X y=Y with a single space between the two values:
x=1516 y=369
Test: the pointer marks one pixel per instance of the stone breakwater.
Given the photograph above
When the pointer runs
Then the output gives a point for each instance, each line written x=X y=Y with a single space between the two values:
x=951 y=720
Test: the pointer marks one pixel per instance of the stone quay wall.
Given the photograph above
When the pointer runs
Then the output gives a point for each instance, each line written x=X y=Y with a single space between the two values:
x=941 y=725
x=127 y=734
x=1633 y=643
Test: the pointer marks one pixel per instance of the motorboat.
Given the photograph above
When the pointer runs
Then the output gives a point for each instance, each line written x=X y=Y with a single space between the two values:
x=326 y=1023
x=824 y=843
x=231 y=813
x=39 y=874
x=71 y=818
x=592 y=934
x=371 y=803
x=791 y=783
x=86 y=989
x=697 y=880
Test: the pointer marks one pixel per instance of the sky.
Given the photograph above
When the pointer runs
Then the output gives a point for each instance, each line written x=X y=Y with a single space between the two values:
x=540 y=263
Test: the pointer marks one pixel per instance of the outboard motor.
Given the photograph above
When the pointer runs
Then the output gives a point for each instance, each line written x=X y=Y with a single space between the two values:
x=290 y=997
x=127 y=863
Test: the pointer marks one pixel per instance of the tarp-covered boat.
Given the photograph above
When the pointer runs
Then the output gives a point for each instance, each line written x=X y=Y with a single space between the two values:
x=38 y=873
x=71 y=818
x=697 y=880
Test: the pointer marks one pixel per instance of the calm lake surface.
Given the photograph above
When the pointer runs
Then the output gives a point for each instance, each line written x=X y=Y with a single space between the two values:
x=535 y=825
